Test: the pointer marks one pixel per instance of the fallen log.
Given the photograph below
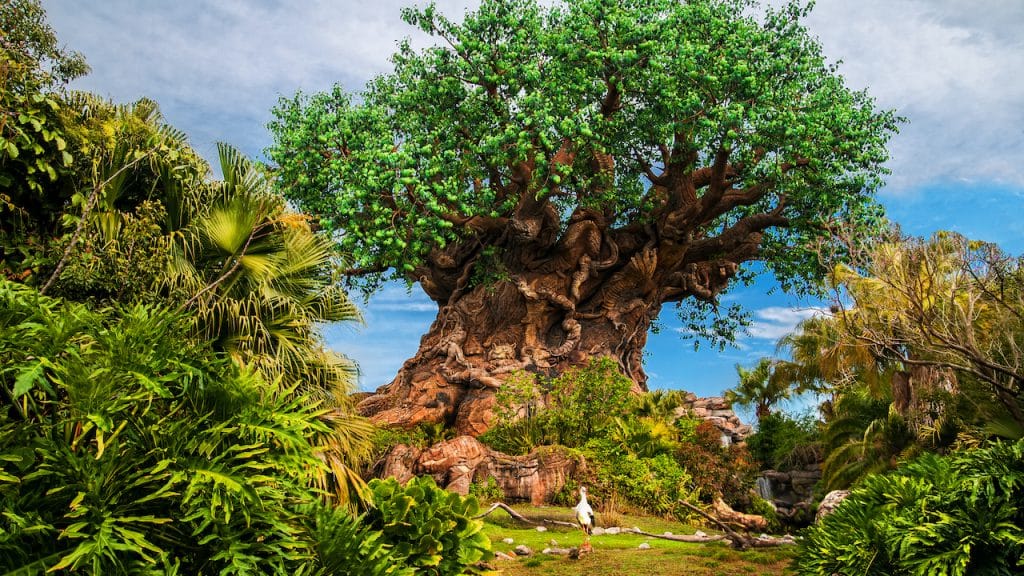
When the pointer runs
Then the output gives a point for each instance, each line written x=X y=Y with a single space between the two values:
x=680 y=537
x=737 y=540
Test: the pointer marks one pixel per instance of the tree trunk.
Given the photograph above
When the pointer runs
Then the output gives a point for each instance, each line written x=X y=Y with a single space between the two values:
x=531 y=325
x=527 y=293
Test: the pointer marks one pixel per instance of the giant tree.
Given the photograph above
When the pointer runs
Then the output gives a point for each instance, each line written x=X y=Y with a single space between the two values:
x=551 y=176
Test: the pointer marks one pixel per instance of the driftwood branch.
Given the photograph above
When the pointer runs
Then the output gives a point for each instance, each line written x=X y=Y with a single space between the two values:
x=517 y=516
x=680 y=537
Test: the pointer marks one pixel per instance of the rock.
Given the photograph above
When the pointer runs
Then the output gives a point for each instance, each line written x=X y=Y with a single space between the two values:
x=508 y=541
x=546 y=551
x=612 y=530
x=829 y=503
x=541 y=529
x=400 y=463
x=455 y=464
x=667 y=533
x=553 y=543
x=523 y=550
x=598 y=531
x=502 y=556
x=700 y=534
x=644 y=546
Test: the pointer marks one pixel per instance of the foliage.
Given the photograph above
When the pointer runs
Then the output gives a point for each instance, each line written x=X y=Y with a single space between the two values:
x=947 y=303
x=638 y=451
x=759 y=387
x=778 y=436
x=345 y=546
x=33 y=149
x=430 y=529
x=580 y=404
x=486 y=490
x=726 y=471
x=653 y=484
x=129 y=447
x=955 y=515
x=524 y=109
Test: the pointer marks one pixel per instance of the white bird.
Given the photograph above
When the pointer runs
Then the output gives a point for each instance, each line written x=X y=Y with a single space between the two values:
x=585 y=517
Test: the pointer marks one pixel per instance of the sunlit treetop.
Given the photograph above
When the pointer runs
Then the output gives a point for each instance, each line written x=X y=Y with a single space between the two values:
x=703 y=125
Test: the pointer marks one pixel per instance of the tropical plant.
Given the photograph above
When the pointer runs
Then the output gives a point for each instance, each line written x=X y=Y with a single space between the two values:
x=128 y=446
x=779 y=437
x=947 y=305
x=953 y=516
x=430 y=529
x=865 y=436
x=759 y=387
x=579 y=165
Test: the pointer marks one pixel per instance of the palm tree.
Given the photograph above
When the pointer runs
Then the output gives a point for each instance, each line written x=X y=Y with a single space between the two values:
x=260 y=283
x=866 y=435
x=759 y=387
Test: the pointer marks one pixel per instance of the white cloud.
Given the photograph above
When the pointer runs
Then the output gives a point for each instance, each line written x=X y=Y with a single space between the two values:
x=951 y=67
x=774 y=322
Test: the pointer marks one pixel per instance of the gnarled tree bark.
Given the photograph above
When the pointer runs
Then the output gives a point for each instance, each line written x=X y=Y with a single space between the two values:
x=523 y=293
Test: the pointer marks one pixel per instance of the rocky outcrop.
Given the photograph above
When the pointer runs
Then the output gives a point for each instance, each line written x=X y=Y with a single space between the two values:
x=791 y=492
x=456 y=464
x=718 y=411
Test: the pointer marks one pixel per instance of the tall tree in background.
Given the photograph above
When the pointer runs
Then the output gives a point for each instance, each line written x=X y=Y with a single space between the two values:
x=551 y=177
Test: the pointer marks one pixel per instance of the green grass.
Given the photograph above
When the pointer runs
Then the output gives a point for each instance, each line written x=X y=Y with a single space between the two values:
x=618 y=554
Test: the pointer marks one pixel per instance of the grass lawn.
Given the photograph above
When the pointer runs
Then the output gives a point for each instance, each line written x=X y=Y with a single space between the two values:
x=616 y=555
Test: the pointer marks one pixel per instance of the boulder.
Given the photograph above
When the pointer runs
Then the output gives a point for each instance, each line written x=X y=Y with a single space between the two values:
x=829 y=503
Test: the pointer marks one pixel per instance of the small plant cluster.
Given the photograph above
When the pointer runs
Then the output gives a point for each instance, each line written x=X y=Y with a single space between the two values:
x=937 y=515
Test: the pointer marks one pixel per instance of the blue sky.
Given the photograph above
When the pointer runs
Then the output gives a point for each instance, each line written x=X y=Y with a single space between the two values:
x=954 y=68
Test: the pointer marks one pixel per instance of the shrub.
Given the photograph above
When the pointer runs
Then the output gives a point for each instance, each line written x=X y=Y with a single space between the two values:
x=955 y=515
x=126 y=446
x=782 y=439
x=654 y=484
x=582 y=404
x=717 y=470
x=430 y=529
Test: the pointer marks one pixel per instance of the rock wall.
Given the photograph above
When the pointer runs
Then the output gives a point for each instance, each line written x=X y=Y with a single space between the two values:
x=718 y=411
x=792 y=492
x=456 y=464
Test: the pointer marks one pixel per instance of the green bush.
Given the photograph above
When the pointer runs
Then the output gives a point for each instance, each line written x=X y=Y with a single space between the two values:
x=654 y=484
x=128 y=447
x=347 y=547
x=430 y=529
x=955 y=515
x=779 y=436
x=581 y=404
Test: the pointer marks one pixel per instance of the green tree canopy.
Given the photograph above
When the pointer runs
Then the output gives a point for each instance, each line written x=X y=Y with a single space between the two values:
x=697 y=117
